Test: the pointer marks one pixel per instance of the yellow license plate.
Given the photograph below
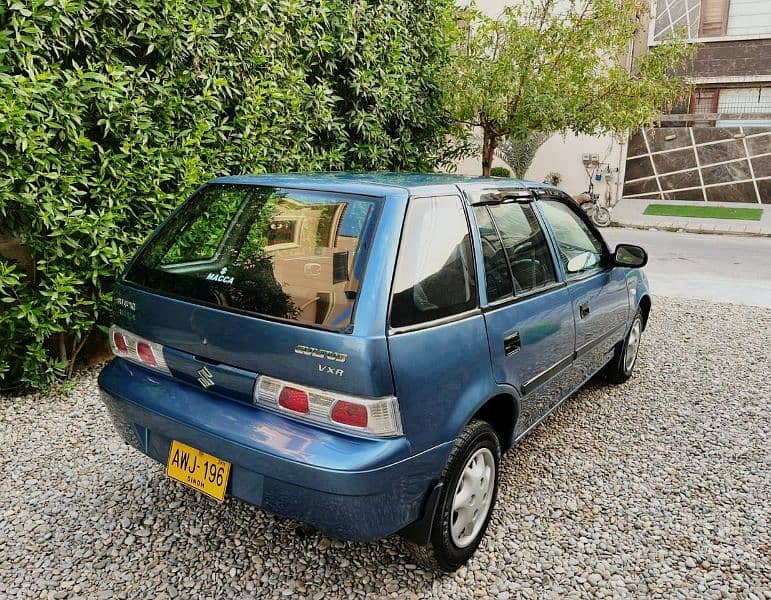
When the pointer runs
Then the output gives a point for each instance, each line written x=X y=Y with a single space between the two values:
x=200 y=471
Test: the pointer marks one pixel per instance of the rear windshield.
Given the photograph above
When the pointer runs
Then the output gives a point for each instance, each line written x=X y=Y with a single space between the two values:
x=288 y=254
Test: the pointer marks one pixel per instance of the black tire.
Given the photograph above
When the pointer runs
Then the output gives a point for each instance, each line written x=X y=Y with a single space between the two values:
x=619 y=368
x=601 y=216
x=441 y=552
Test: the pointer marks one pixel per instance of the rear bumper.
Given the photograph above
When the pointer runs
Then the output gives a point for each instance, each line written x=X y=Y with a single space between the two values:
x=347 y=487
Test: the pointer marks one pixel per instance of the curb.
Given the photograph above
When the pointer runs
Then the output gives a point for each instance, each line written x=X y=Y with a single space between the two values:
x=686 y=229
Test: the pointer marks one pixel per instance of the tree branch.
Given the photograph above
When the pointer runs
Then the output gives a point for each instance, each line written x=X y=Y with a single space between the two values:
x=513 y=108
x=75 y=351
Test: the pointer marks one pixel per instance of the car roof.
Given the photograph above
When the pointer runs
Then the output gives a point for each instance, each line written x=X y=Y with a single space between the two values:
x=377 y=181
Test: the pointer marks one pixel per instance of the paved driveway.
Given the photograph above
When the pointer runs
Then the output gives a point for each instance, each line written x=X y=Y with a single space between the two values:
x=659 y=487
x=720 y=268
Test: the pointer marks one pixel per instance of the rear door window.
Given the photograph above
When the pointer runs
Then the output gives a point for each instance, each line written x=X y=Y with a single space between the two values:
x=497 y=272
x=525 y=245
x=289 y=254
x=435 y=270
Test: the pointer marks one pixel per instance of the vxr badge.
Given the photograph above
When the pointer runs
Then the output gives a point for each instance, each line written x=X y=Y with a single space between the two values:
x=205 y=377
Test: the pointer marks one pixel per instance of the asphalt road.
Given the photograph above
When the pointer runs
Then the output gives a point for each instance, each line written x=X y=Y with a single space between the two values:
x=719 y=268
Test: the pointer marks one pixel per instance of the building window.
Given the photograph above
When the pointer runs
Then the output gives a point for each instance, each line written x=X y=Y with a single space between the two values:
x=714 y=18
x=748 y=17
x=704 y=101
x=745 y=101
x=732 y=101
x=674 y=16
x=711 y=18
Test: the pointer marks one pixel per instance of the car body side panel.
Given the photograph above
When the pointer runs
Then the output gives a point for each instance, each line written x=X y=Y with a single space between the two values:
x=372 y=304
x=637 y=284
x=606 y=296
x=442 y=374
x=544 y=325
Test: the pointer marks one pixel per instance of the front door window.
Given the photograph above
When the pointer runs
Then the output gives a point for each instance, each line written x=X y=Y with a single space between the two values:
x=581 y=252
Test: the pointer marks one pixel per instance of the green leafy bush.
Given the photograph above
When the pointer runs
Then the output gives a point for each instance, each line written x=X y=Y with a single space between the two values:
x=500 y=172
x=111 y=112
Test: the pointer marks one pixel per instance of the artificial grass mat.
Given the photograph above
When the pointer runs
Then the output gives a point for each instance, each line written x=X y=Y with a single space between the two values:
x=704 y=212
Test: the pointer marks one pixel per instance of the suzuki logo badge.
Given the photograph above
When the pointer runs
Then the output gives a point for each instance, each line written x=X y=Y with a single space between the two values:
x=205 y=377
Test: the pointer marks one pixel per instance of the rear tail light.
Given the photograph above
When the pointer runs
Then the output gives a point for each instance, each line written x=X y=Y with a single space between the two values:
x=119 y=342
x=349 y=413
x=364 y=416
x=145 y=353
x=294 y=399
x=136 y=349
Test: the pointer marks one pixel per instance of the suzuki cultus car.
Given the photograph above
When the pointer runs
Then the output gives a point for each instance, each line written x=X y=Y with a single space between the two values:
x=357 y=351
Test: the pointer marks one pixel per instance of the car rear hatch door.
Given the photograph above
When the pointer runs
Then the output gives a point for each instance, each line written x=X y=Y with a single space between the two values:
x=247 y=279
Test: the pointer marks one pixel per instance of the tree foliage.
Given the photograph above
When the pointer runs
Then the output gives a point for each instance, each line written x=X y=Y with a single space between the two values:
x=111 y=111
x=558 y=65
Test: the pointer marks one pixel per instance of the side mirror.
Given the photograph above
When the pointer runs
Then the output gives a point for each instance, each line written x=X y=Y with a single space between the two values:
x=627 y=255
x=580 y=262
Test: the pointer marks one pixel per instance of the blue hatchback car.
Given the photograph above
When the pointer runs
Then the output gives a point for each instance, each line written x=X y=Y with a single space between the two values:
x=356 y=351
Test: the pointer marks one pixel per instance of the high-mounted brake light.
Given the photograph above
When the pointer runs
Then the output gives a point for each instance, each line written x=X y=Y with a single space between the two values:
x=136 y=349
x=363 y=416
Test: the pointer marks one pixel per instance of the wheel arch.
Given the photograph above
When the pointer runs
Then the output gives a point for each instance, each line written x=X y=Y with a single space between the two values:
x=501 y=411
x=645 y=308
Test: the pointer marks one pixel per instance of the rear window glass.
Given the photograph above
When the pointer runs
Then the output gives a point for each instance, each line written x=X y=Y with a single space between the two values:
x=435 y=270
x=289 y=254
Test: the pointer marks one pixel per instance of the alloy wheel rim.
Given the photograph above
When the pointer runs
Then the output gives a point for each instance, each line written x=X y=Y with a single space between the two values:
x=632 y=345
x=473 y=497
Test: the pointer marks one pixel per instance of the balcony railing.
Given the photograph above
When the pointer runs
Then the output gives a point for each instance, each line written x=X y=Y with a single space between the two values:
x=721 y=116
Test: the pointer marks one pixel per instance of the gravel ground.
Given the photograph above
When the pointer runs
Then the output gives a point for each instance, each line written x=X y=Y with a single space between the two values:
x=659 y=487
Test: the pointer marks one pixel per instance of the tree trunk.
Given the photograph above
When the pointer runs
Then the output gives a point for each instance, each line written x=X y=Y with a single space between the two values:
x=62 y=347
x=489 y=143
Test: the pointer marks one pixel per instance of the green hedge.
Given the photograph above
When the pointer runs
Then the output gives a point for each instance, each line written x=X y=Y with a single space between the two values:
x=500 y=172
x=111 y=111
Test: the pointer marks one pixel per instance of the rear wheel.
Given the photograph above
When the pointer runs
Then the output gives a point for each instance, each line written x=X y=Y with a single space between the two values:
x=620 y=368
x=466 y=503
x=601 y=216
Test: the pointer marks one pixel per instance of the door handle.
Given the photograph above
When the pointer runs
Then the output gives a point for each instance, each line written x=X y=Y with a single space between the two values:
x=583 y=309
x=512 y=343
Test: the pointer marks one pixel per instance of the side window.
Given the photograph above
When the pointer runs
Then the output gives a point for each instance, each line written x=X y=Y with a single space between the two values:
x=435 y=271
x=525 y=245
x=574 y=238
x=497 y=274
